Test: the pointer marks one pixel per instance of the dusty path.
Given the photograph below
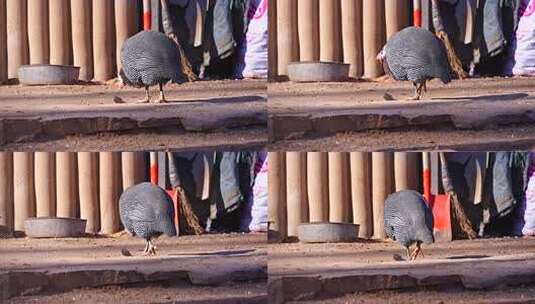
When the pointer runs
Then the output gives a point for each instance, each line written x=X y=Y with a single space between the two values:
x=355 y=115
x=325 y=271
x=243 y=293
x=514 y=295
x=198 y=115
x=38 y=267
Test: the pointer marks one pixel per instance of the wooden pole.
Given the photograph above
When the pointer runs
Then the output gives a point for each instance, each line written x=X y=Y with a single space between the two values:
x=88 y=188
x=373 y=21
x=3 y=41
x=38 y=32
x=318 y=186
x=295 y=190
x=132 y=163
x=272 y=39
x=103 y=40
x=338 y=187
x=60 y=32
x=17 y=36
x=123 y=25
x=308 y=28
x=412 y=170
x=401 y=169
x=360 y=192
x=277 y=196
x=45 y=184
x=380 y=190
x=288 y=48
x=81 y=38
x=109 y=196
x=66 y=184
x=6 y=191
x=396 y=15
x=23 y=193
x=328 y=33
x=352 y=36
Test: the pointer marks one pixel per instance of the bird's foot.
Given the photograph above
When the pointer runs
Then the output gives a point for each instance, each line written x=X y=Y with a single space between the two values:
x=161 y=100
x=415 y=97
x=145 y=100
x=150 y=249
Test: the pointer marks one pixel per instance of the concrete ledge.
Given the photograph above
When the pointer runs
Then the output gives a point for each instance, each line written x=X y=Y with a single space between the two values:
x=471 y=274
x=17 y=283
x=295 y=126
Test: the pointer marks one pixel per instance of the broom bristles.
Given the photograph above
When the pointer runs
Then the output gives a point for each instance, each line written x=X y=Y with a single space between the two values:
x=186 y=64
x=454 y=61
x=185 y=207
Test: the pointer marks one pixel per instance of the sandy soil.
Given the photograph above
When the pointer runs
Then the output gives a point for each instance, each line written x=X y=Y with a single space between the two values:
x=290 y=97
x=19 y=253
x=180 y=293
x=523 y=294
x=193 y=100
x=59 y=98
x=503 y=138
x=150 y=139
x=298 y=257
x=457 y=97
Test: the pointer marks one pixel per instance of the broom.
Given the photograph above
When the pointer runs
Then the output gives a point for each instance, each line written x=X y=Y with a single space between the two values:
x=455 y=62
x=170 y=32
x=458 y=212
x=185 y=205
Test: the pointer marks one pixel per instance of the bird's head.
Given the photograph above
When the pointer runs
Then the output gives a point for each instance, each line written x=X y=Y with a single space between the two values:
x=382 y=55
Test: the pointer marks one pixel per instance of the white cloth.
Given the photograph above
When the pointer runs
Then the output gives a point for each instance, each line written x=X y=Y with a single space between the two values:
x=255 y=48
x=529 y=213
x=522 y=52
x=259 y=212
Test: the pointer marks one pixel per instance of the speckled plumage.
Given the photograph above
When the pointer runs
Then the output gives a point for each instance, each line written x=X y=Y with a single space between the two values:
x=150 y=58
x=147 y=211
x=415 y=54
x=408 y=219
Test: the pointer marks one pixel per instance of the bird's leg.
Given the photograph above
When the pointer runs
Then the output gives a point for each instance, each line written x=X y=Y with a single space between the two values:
x=418 y=250
x=425 y=85
x=146 y=250
x=417 y=91
x=152 y=248
x=162 y=96
x=147 y=96
x=409 y=253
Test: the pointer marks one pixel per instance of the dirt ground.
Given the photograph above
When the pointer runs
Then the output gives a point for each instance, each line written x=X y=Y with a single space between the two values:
x=199 y=115
x=463 y=271
x=502 y=139
x=19 y=99
x=291 y=97
x=302 y=258
x=150 y=140
x=254 y=292
x=20 y=253
x=521 y=295
x=459 y=98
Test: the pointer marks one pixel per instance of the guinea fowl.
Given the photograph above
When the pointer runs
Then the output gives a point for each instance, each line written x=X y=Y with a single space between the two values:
x=150 y=58
x=408 y=220
x=147 y=211
x=416 y=55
